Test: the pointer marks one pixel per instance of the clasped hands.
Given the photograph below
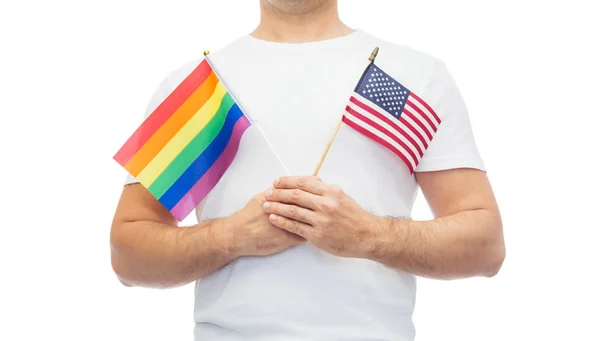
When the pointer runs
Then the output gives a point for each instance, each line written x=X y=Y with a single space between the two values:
x=321 y=214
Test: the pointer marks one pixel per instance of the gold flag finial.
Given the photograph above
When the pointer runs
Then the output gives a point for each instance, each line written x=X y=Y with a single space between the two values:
x=206 y=52
x=374 y=54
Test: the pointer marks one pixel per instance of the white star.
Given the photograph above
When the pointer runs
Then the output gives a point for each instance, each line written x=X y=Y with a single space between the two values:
x=370 y=80
x=377 y=100
x=370 y=96
x=384 y=104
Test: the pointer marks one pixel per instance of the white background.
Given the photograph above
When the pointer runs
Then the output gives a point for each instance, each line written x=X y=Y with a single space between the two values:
x=75 y=77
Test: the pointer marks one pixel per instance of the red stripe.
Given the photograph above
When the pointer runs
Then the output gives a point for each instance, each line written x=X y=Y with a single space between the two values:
x=386 y=120
x=163 y=112
x=424 y=115
x=427 y=107
x=383 y=130
x=415 y=131
x=418 y=122
x=378 y=140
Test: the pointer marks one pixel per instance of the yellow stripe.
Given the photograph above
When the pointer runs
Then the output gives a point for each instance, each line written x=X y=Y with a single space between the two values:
x=183 y=137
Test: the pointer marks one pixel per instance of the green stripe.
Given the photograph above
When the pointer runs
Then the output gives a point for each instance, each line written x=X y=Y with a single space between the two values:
x=191 y=152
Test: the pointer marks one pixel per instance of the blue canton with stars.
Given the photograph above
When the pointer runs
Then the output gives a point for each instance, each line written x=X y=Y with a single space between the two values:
x=384 y=91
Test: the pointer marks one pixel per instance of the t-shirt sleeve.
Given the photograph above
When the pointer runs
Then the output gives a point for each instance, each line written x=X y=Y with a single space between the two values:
x=160 y=93
x=453 y=145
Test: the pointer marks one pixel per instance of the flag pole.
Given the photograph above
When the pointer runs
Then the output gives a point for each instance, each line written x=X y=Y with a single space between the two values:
x=337 y=128
x=285 y=169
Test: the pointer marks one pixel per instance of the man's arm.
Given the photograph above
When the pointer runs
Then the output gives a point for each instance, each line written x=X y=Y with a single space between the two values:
x=464 y=240
x=149 y=249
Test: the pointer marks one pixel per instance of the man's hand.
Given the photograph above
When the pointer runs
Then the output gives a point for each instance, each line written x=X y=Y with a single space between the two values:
x=149 y=249
x=464 y=240
x=254 y=235
x=321 y=213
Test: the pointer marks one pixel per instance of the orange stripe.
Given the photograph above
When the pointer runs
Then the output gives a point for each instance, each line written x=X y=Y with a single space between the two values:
x=166 y=132
x=162 y=113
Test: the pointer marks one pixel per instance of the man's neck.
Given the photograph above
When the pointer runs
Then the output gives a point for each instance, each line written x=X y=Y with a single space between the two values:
x=320 y=24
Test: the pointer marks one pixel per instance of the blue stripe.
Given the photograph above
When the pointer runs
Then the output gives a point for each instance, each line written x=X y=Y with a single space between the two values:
x=203 y=162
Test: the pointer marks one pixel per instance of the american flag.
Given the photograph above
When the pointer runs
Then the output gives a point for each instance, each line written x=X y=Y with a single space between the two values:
x=384 y=110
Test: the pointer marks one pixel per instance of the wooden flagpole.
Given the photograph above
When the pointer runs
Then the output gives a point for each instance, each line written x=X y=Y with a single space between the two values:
x=337 y=128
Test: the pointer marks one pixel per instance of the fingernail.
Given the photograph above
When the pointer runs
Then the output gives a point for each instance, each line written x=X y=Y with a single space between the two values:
x=276 y=182
x=272 y=217
x=269 y=193
x=267 y=205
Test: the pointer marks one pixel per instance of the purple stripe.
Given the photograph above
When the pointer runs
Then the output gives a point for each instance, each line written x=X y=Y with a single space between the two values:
x=210 y=179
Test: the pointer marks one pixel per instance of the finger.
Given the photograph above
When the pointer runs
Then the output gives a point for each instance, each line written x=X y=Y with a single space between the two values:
x=291 y=211
x=310 y=184
x=296 y=196
x=261 y=197
x=292 y=226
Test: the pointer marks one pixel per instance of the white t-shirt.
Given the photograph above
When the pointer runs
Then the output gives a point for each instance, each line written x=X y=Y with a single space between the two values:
x=297 y=93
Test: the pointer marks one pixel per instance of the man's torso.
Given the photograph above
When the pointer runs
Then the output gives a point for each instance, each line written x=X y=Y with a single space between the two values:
x=296 y=94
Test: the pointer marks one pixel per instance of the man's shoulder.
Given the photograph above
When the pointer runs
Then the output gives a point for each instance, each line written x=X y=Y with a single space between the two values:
x=404 y=51
x=412 y=67
x=185 y=68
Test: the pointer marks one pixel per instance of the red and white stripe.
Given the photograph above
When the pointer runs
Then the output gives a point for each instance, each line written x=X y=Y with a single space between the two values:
x=408 y=137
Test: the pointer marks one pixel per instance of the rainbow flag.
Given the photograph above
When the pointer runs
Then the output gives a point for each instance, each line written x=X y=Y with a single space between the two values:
x=183 y=148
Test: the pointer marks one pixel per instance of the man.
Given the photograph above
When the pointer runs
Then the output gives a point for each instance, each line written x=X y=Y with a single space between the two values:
x=286 y=257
